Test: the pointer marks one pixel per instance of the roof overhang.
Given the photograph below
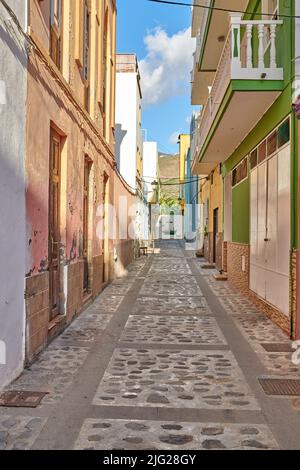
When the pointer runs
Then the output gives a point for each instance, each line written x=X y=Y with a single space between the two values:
x=234 y=123
x=197 y=17
x=217 y=29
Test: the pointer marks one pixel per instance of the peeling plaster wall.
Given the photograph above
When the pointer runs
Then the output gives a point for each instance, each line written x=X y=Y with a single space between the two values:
x=12 y=191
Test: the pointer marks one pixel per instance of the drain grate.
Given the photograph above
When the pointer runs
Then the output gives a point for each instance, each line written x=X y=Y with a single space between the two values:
x=277 y=347
x=283 y=387
x=21 y=399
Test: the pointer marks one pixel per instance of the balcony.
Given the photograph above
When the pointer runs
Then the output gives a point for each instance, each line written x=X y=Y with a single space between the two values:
x=247 y=82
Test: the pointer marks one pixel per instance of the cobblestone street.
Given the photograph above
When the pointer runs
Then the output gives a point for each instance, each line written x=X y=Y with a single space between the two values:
x=166 y=358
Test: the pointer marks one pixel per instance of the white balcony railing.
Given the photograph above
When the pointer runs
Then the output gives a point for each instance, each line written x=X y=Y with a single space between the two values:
x=240 y=60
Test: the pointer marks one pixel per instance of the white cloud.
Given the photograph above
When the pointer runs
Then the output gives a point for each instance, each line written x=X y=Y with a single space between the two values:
x=173 y=139
x=165 y=71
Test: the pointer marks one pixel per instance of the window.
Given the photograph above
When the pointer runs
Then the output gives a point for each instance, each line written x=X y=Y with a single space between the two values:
x=272 y=143
x=55 y=31
x=240 y=172
x=284 y=133
x=86 y=43
x=262 y=151
x=104 y=71
x=253 y=159
x=278 y=137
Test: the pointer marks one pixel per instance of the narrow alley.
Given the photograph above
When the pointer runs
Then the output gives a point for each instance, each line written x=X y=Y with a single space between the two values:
x=165 y=358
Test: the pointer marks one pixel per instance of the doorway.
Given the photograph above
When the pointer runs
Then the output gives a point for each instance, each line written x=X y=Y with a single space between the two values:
x=270 y=230
x=215 y=233
x=86 y=218
x=54 y=223
x=105 y=241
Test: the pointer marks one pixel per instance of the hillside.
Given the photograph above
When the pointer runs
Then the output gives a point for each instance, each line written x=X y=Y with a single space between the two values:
x=168 y=166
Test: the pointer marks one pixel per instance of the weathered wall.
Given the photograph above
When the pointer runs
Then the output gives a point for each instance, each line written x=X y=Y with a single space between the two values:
x=56 y=101
x=125 y=205
x=12 y=191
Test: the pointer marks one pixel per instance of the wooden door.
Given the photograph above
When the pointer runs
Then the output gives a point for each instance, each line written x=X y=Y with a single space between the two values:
x=215 y=233
x=86 y=223
x=54 y=224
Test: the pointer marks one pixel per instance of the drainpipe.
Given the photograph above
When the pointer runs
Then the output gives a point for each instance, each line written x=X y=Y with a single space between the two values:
x=297 y=325
x=296 y=108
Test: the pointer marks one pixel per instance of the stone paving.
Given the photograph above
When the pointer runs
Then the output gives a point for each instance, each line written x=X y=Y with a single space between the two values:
x=172 y=330
x=138 y=435
x=149 y=305
x=183 y=379
x=165 y=358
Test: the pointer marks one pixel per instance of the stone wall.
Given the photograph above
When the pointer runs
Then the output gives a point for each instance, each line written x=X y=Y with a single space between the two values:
x=37 y=313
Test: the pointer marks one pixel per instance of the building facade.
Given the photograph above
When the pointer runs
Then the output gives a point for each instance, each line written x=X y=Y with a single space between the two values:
x=244 y=69
x=13 y=77
x=128 y=134
x=150 y=179
x=71 y=235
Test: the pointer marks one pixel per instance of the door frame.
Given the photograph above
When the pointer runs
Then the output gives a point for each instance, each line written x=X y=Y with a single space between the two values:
x=215 y=232
x=86 y=246
x=54 y=227
x=105 y=241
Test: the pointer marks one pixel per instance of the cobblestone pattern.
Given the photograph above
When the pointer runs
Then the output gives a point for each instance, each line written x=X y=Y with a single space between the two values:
x=171 y=306
x=53 y=372
x=160 y=435
x=106 y=303
x=160 y=286
x=19 y=433
x=173 y=266
x=86 y=327
x=182 y=379
x=172 y=330
x=257 y=329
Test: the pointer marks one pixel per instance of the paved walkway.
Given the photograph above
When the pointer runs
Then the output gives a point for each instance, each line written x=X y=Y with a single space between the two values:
x=166 y=358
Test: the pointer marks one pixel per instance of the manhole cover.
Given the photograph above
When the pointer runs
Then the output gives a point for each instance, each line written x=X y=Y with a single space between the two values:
x=284 y=387
x=208 y=266
x=20 y=399
x=277 y=347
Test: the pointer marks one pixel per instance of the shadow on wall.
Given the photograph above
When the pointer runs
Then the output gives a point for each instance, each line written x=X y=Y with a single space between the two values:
x=119 y=137
x=15 y=46
x=12 y=255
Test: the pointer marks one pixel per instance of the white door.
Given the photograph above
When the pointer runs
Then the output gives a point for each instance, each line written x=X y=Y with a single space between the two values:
x=270 y=230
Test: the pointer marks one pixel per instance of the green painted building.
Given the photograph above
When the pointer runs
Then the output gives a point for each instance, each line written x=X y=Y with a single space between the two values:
x=244 y=77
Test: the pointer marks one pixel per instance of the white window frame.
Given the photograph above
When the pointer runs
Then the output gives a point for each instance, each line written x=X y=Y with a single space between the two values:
x=266 y=138
x=86 y=41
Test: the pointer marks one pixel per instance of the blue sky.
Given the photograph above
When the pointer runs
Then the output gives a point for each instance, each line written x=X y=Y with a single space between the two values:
x=165 y=64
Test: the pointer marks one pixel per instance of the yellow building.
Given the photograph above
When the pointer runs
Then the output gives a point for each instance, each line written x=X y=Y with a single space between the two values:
x=184 y=141
x=211 y=197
